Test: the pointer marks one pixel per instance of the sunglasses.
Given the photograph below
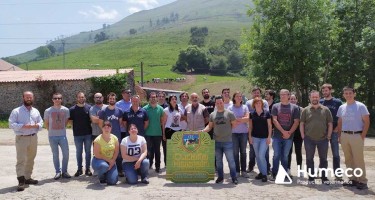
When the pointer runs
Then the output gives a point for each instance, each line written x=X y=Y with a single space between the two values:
x=58 y=98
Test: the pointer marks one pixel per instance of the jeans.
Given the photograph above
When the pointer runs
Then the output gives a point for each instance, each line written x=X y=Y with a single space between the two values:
x=310 y=146
x=168 y=135
x=281 y=148
x=55 y=142
x=101 y=167
x=227 y=149
x=80 y=141
x=132 y=174
x=335 y=150
x=297 y=150
x=252 y=158
x=239 y=150
x=153 y=149
x=260 y=148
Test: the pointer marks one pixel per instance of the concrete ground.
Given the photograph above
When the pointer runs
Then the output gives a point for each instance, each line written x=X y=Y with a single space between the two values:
x=89 y=188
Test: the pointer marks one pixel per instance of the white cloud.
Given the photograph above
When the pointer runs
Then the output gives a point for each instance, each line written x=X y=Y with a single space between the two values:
x=146 y=4
x=134 y=10
x=99 y=13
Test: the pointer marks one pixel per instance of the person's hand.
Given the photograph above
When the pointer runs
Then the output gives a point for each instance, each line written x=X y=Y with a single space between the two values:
x=164 y=138
x=363 y=137
x=286 y=134
x=250 y=140
x=137 y=164
x=111 y=164
x=268 y=141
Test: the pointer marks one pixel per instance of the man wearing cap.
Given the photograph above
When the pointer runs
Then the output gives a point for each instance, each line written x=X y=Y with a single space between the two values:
x=124 y=104
x=25 y=122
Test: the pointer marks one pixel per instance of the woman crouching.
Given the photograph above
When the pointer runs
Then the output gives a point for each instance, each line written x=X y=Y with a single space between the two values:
x=134 y=152
x=106 y=149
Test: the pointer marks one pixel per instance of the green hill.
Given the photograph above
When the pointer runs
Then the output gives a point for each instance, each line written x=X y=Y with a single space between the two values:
x=161 y=33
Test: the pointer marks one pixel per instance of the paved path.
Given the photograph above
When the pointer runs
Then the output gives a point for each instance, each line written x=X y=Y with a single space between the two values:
x=89 y=188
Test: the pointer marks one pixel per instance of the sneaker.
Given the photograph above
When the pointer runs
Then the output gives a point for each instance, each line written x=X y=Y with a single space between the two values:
x=66 y=175
x=311 y=181
x=264 y=178
x=237 y=174
x=21 y=184
x=157 y=170
x=301 y=174
x=290 y=174
x=121 y=174
x=145 y=181
x=249 y=170
x=350 y=183
x=235 y=181
x=31 y=181
x=259 y=176
x=273 y=177
x=219 y=180
x=95 y=173
x=78 y=173
x=244 y=174
x=57 y=176
x=362 y=186
x=88 y=172
x=339 y=179
x=103 y=182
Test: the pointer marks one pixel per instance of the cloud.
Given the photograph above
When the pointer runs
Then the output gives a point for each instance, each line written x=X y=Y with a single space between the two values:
x=134 y=10
x=99 y=13
x=146 y=4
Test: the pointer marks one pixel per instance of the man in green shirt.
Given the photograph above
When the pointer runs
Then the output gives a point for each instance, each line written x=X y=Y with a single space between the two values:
x=316 y=119
x=154 y=131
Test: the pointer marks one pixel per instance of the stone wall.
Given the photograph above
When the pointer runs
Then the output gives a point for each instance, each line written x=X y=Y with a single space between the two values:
x=11 y=93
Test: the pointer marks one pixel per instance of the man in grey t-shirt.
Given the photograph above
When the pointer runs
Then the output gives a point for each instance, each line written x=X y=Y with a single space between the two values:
x=56 y=118
x=94 y=115
x=222 y=121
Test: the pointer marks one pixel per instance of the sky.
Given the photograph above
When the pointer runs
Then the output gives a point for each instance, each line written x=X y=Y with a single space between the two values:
x=28 y=24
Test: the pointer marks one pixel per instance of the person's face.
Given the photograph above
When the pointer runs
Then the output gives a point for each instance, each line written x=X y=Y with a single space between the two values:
x=194 y=98
x=184 y=98
x=219 y=104
x=293 y=99
x=326 y=92
x=135 y=101
x=112 y=100
x=28 y=99
x=314 y=98
x=238 y=98
x=206 y=94
x=161 y=98
x=126 y=95
x=267 y=96
x=173 y=101
x=255 y=93
x=57 y=99
x=349 y=95
x=226 y=93
x=153 y=99
x=258 y=105
x=284 y=96
x=98 y=98
x=81 y=98
x=133 y=130
x=107 y=127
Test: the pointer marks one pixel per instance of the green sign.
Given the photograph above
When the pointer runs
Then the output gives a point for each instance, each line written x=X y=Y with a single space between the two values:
x=190 y=157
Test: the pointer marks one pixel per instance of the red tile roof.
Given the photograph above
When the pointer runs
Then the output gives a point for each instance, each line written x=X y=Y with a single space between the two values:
x=5 y=66
x=56 y=75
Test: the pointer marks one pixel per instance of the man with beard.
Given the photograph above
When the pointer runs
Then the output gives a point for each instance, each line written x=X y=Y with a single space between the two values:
x=80 y=118
x=124 y=105
x=225 y=93
x=316 y=130
x=184 y=98
x=209 y=104
x=56 y=118
x=25 y=122
x=196 y=114
x=114 y=115
x=94 y=115
x=155 y=130
x=333 y=104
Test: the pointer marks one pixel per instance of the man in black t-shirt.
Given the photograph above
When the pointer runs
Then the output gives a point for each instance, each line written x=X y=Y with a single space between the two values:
x=210 y=105
x=80 y=118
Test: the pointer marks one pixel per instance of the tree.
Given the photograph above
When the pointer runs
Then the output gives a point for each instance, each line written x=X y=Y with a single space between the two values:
x=286 y=44
x=132 y=31
x=218 y=65
x=192 y=59
x=198 y=35
x=235 y=63
x=52 y=49
x=43 y=52
x=11 y=60
x=101 y=37
x=230 y=44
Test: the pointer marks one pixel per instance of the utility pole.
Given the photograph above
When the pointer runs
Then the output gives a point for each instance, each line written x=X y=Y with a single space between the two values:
x=141 y=74
x=63 y=45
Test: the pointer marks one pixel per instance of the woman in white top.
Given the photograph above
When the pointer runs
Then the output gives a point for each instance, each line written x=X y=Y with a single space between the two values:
x=172 y=124
x=134 y=153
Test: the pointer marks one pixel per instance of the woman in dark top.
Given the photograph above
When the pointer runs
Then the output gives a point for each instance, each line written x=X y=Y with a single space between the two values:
x=260 y=130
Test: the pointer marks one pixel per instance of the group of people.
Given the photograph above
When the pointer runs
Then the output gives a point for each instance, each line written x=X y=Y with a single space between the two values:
x=126 y=137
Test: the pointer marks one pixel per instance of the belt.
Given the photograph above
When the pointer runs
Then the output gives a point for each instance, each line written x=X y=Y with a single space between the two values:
x=352 y=132
x=28 y=135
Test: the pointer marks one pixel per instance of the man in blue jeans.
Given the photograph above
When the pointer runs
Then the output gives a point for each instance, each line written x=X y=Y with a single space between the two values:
x=333 y=104
x=56 y=118
x=222 y=121
x=285 y=117
x=80 y=118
